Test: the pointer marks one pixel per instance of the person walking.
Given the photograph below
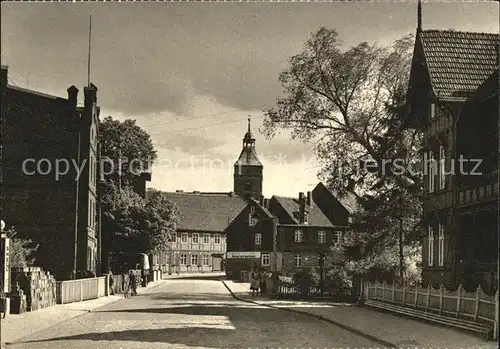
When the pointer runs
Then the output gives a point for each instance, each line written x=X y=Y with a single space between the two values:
x=133 y=283
x=262 y=282
x=254 y=283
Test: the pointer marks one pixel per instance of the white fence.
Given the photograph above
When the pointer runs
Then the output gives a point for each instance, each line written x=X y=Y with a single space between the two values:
x=81 y=290
x=477 y=306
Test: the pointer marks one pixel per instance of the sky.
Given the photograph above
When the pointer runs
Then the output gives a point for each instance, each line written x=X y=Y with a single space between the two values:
x=191 y=73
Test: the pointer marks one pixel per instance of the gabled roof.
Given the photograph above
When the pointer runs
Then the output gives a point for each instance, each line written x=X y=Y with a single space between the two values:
x=459 y=62
x=212 y=212
x=315 y=216
x=346 y=199
x=262 y=208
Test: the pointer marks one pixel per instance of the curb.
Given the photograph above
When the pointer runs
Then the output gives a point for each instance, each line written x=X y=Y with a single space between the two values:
x=319 y=317
x=84 y=312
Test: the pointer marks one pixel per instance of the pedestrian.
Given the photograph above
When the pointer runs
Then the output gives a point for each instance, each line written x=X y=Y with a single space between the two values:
x=262 y=282
x=133 y=283
x=111 y=282
x=254 y=283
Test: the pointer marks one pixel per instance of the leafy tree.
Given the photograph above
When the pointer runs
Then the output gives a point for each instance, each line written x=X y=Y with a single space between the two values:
x=21 y=250
x=130 y=143
x=134 y=224
x=351 y=102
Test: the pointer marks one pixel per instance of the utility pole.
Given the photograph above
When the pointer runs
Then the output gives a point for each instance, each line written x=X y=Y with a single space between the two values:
x=77 y=205
x=401 y=237
x=275 y=247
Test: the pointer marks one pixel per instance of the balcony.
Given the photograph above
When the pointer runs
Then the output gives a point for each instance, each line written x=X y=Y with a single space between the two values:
x=480 y=192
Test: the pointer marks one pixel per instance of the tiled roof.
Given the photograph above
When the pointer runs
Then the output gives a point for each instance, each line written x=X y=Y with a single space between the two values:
x=459 y=62
x=210 y=212
x=315 y=217
x=346 y=199
x=33 y=92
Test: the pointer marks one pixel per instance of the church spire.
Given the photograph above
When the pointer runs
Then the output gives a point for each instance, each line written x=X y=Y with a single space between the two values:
x=419 y=16
x=249 y=124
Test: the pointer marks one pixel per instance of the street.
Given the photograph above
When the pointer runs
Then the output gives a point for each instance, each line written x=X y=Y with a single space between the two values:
x=191 y=313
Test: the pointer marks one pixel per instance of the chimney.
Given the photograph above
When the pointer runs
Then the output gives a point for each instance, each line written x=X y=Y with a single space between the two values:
x=90 y=93
x=309 y=199
x=73 y=96
x=261 y=201
x=5 y=69
x=266 y=204
x=302 y=208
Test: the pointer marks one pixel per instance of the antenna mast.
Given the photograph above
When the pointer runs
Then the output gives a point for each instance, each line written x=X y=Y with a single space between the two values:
x=88 y=61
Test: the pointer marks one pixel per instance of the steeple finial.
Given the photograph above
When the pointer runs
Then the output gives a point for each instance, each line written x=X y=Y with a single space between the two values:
x=248 y=123
x=419 y=16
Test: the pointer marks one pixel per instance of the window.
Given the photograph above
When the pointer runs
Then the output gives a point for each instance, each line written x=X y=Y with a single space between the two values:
x=195 y=238
x=430 y=249
x=431 y=172
x=89 y=220
x=433 y=111
x=265 y=260
x=194 y=259
x=298 y=235
x=184 y=238
x=205 y=259
x=298 y=261
x=252 y=209
x=338 y=237
x=321 y=237
x=173 y=237
x=441 y=246
x=217 y=239
x=258 y=238
x=252 y=221
x=206 y=238
x=442 y=168
x=94 y=212
x=183 y=259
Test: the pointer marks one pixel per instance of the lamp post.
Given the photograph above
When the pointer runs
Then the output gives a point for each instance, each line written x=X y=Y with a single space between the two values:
x=321 y=263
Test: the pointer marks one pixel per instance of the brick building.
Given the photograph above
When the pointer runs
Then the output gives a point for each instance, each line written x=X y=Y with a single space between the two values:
x=40 y=132
x=453 y=98
x=299 y=230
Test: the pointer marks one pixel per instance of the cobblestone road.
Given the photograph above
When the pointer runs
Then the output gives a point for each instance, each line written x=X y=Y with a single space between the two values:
x=191 y=314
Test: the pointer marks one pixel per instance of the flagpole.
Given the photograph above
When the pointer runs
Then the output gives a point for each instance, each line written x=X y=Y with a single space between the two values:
x=88 y=60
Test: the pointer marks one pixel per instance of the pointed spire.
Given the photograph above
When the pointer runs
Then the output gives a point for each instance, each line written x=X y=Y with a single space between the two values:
x=419 y=16
x=249 y=124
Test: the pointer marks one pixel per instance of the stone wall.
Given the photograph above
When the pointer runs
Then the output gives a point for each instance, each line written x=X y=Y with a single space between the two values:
x=38 y=285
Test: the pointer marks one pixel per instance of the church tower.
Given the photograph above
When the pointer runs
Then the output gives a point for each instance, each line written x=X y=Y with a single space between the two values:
x=248 y=170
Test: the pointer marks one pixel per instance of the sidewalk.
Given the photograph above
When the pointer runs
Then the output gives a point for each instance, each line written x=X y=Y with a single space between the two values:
x=15 y=327
x=387 y=329
x=193 y=275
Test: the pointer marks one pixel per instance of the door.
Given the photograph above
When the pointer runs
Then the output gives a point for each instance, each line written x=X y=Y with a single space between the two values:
x=216 y=263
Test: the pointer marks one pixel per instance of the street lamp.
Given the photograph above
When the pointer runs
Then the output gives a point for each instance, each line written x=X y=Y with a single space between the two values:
x=321 y=263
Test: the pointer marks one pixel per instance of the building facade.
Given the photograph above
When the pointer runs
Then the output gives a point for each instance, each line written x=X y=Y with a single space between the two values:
x=199 y=244
x=44 y=140
x=287 y=234
x=454 y=100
